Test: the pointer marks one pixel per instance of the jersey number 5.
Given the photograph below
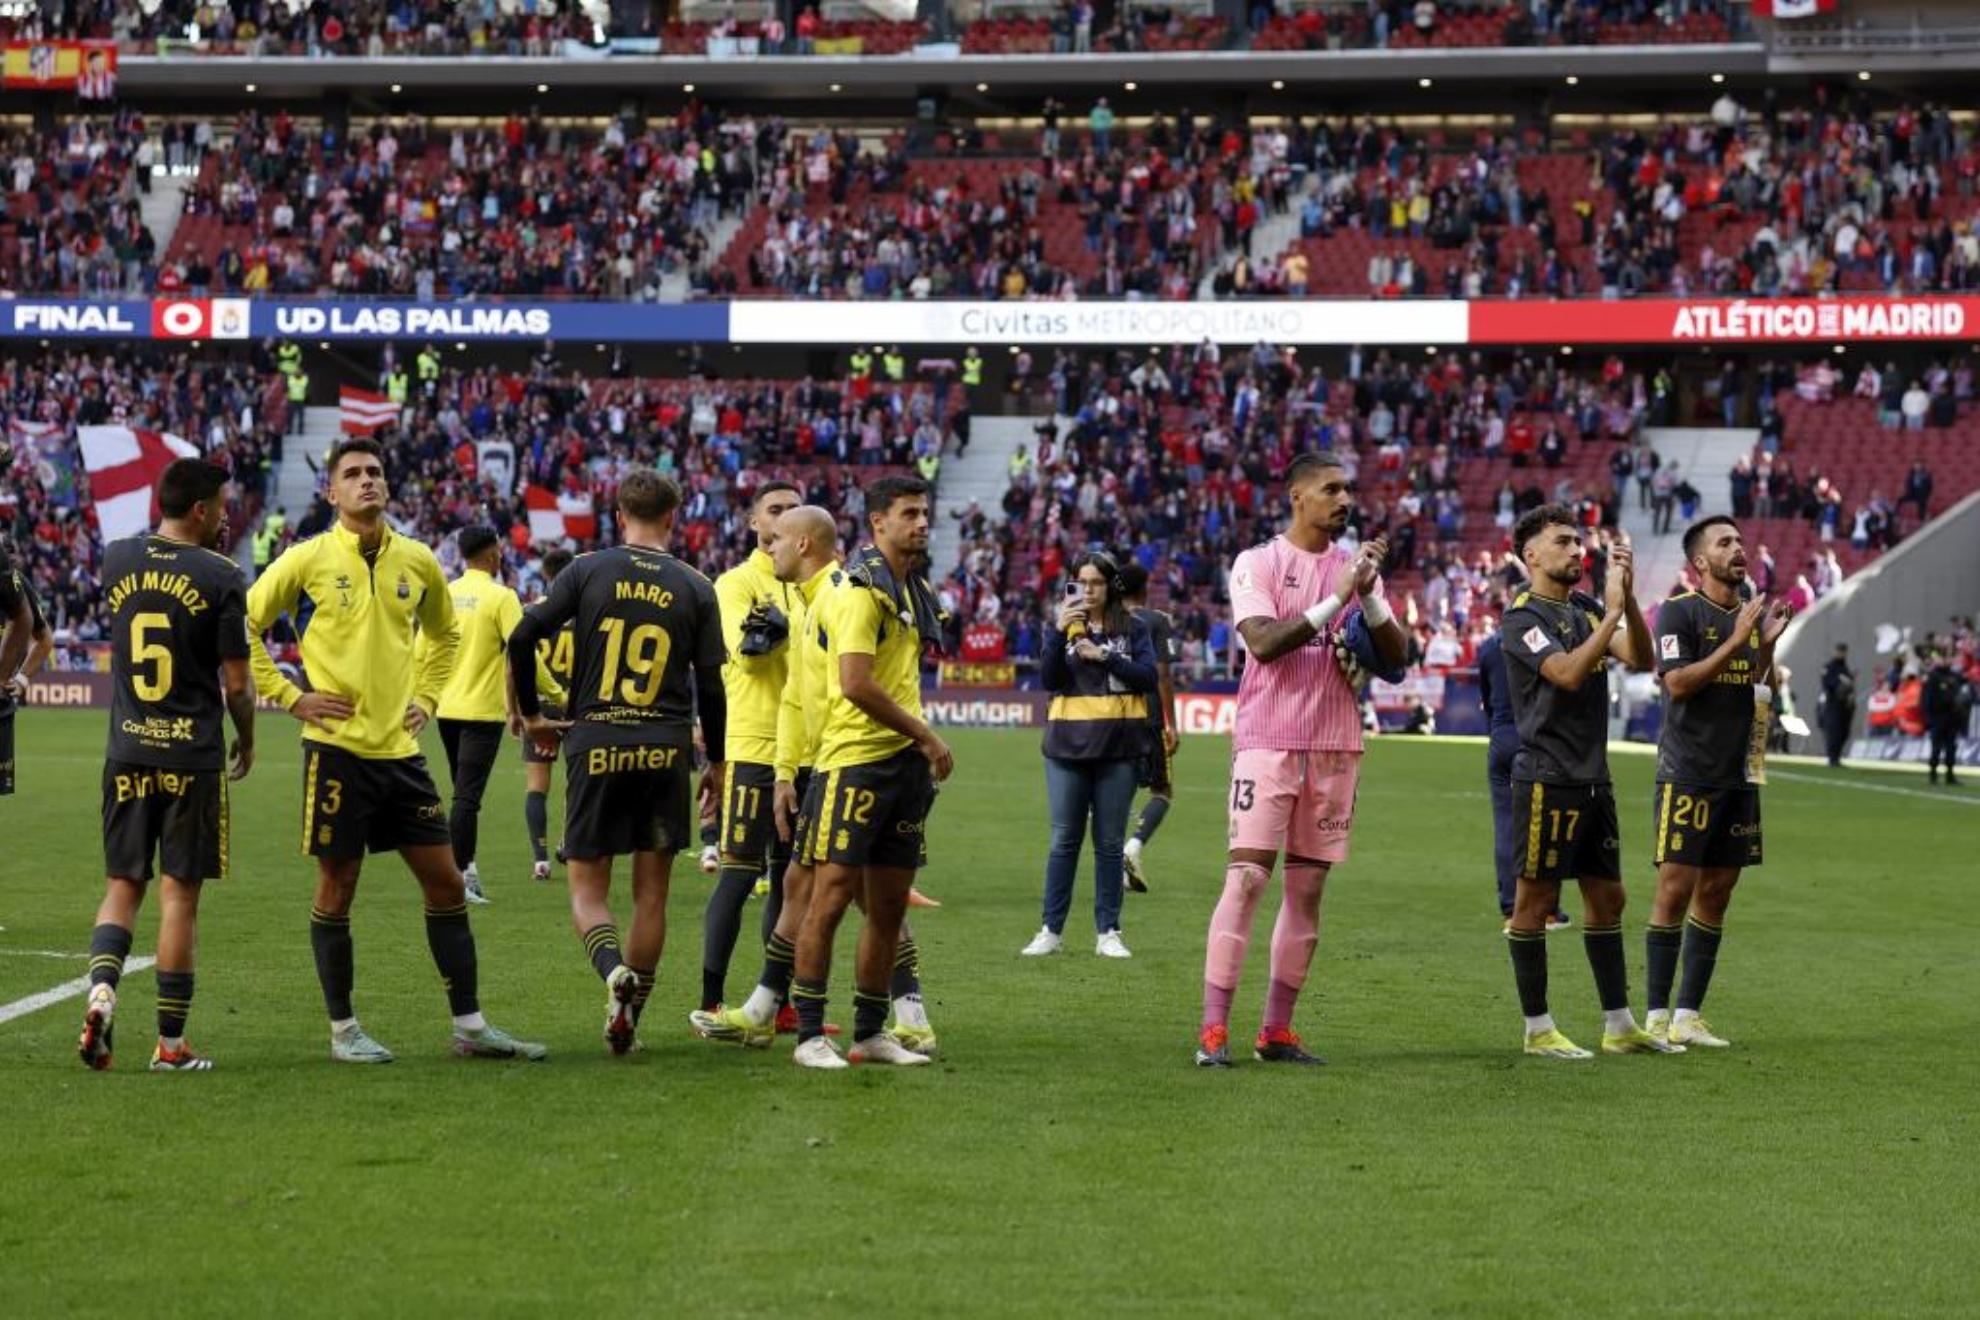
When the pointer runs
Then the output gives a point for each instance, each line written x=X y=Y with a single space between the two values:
x=157 y=654
x=642 y=654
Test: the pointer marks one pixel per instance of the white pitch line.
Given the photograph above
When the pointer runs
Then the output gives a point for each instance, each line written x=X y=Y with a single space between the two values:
x=66 y=990
x=1955 y=799
x=38 y=953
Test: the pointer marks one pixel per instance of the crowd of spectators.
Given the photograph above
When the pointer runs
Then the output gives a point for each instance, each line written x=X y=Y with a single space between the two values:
x=321 y=29
x=1783 y=201
x=72 y=204
x=520 y=206
x=373 y=28
x=1097 y=213
x=1416 y=24
x=1175 y=459
x=574 y=434
x=230 y=408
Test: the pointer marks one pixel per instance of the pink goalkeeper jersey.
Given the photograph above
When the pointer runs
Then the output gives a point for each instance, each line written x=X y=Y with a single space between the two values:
x=1299 y=702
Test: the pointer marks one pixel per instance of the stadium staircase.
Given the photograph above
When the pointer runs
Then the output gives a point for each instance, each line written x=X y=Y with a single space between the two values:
x=163 y=206
x=674 y=286
x=982 y=475
x=295 y=483
x=1703 y=456
x=1270 y=240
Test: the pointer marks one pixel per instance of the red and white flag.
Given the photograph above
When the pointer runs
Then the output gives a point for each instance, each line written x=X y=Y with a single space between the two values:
x=124 y=467
x=360 y=412
x=559 y=517
x=1779 y=9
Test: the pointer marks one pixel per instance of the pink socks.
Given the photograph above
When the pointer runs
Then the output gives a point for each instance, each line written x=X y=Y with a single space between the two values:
x=1294 y=936
x=1230 y=934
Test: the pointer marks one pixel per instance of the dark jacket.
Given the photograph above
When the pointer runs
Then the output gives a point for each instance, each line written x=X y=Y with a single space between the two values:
x=1099 y=711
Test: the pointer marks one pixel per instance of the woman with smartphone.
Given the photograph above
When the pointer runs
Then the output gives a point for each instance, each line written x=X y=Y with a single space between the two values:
x=1099 y=665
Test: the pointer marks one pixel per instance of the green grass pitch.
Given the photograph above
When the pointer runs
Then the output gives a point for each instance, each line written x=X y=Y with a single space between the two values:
x=1062 y=1157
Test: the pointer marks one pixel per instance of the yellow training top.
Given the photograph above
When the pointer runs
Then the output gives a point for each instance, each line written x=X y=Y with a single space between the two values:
x=358 y=621
x=801 y=717
x=754 y=684
x=488 y=612
x=860 y=621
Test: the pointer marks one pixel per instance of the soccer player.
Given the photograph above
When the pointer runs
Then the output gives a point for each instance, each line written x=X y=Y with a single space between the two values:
x=178 y=611
x=805 y=553
x=1158 y=768
x=474 y=705
x=25 y=641
x=1715 y=653
x=553 y=680
x=1502 y=747
x=359 y=594
x=647 y=658
x=756 y=619
x=877 y=767
x=1296 y=753
x=1556 y=648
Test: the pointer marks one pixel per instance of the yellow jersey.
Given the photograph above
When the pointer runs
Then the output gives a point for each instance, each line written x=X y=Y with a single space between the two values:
x=801 y=717
x=860 y=621
x=358 y=620
x=487 y=612
x=754 y=684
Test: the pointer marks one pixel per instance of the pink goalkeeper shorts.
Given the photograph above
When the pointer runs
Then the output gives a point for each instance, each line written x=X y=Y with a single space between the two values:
x=1296 y=803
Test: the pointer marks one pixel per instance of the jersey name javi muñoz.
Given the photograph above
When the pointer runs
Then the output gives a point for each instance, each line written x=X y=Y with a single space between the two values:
x=177 y=610
x=1564 y=736
x=642 y=623
x=1706 y=737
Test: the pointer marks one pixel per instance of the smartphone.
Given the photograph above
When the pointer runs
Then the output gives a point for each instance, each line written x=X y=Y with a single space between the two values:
x=1075 y=592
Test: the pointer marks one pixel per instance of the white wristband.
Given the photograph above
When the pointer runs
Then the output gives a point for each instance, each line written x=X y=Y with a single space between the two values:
x=1321 y=613
x=1375 y=610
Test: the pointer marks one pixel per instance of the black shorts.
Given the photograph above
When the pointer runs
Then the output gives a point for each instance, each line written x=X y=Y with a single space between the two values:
x=1566 y=832
x=875 y=814
x=7 y=750
x=1158 y=769
x=354 y=804
x=531 y=756
x=810 y=792
x=628 y=799
x=180 y=816
x=749 y=827
x=1715 y=827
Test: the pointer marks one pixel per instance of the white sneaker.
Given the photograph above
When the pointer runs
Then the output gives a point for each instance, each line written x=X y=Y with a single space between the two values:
x=883 y=1048
x=711 y=860
x=1658 y=1023
x=475 y=893
x=1042 y=943
x=540 y=871
x=818 y=1052
x=1692 y=1030
x=1109 y=945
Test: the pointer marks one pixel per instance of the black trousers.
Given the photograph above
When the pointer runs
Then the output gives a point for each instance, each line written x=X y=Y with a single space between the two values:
x=1945 y=748
x=471 y=749
x=1835 y=731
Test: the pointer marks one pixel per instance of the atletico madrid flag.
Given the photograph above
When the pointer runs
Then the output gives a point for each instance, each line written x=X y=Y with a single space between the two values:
x=124 y=466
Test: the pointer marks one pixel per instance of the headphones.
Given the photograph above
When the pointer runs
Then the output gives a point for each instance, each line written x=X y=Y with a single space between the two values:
x=1100 y=559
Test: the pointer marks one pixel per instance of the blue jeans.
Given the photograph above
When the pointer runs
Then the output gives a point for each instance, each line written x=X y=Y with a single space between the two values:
x=1104 y=791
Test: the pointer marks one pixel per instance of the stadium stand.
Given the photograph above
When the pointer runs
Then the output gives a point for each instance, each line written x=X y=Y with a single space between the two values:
x=230 y=408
